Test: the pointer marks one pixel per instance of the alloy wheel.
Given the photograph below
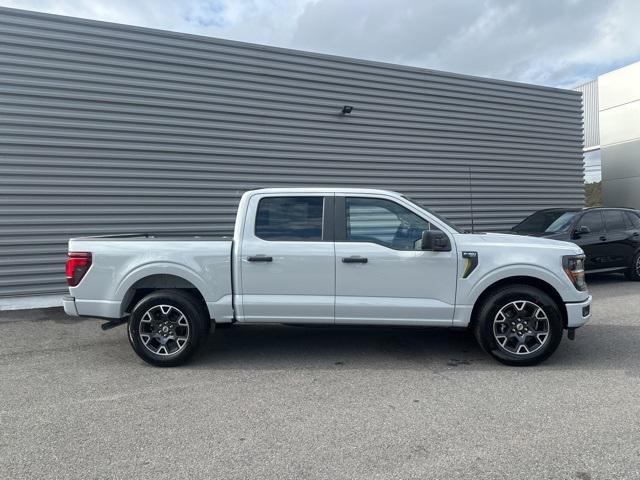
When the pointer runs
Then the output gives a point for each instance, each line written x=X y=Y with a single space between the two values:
x=521 y=327
x=164 y=330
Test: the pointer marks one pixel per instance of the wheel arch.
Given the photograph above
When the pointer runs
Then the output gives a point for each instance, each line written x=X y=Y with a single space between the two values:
x=160 y=281
x=519 y=280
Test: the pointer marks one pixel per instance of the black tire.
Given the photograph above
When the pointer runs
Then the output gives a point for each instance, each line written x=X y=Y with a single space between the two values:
x=501 y=299
x=195 y=326
x=633 y=271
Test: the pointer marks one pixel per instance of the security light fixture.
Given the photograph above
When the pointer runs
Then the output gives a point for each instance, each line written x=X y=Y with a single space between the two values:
x=347 y=109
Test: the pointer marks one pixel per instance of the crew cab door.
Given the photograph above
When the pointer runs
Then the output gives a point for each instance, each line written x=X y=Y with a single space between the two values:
x=382 y=275
x=286 y=259
x=619 y=242
x=594 y=243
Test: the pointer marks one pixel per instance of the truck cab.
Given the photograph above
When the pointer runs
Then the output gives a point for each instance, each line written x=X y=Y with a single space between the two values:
x=312 y=257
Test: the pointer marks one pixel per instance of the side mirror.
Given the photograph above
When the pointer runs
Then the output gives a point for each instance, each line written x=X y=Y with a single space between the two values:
x=582 y=230
x=435 y=240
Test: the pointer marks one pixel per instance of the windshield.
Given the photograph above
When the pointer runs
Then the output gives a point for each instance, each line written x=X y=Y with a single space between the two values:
x=547 y=221
x=448 y=223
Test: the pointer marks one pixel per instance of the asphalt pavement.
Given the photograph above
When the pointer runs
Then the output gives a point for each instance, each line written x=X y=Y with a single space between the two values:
x=287 y=402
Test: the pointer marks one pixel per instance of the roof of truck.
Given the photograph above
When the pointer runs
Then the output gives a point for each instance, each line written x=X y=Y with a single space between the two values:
x=355 y=191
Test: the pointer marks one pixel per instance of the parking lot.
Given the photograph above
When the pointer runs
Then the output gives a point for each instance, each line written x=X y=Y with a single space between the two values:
x=302 y=402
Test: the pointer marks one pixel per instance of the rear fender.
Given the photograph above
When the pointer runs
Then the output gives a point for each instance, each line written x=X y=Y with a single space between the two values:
x=165 y=268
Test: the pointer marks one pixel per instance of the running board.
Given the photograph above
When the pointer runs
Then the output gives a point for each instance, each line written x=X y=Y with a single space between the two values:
x=113 y=323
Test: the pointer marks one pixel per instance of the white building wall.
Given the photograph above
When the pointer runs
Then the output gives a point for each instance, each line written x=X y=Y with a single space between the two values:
x=619 y=116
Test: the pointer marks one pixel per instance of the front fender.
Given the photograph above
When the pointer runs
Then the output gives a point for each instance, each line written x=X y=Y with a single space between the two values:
x=470 y=289
x=562 y=286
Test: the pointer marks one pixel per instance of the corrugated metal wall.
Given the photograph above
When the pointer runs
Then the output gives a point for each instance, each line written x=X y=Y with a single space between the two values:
x=590 y=113
x=109 y=128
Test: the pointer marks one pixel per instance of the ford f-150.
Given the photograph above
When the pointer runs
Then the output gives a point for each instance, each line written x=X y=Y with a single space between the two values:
x=332 y=256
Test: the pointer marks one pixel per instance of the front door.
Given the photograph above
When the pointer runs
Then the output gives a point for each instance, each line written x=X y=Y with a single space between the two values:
x=594 y=242
x=382 y=275
x=287 y=260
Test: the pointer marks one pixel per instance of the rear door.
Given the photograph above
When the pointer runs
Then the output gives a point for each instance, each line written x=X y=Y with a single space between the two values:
x=633 y=220
x=619 y=243
x=287 y=259
x=382 y=275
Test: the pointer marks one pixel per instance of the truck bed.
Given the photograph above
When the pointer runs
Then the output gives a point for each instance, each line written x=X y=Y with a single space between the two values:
x=158 y=236
x=120 y=262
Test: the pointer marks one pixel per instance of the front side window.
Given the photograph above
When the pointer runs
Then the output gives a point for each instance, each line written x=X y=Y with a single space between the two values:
x=383 y=222
x=593 y=220
x=289 y=219
x=614 y=220
x=562 y=223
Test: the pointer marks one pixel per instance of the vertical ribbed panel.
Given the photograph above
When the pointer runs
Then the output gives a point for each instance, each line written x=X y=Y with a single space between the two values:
x=109 y=128
x=590 y=113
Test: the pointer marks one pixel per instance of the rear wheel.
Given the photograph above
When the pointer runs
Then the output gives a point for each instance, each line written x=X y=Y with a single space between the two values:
x=166 y=327
x=519 y=325
x=633 y=271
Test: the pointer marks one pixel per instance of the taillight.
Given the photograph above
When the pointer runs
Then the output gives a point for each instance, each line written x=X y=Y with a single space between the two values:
x=77 y=265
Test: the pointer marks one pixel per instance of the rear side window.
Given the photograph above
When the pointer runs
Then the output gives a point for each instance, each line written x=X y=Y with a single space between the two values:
x=634 y=219
x=614 y=220
x=290 y=219
x=593 y=220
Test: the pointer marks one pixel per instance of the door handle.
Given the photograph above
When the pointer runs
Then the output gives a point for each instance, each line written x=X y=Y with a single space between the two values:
x=355 y=259
x=260 y=258
x=603 y=238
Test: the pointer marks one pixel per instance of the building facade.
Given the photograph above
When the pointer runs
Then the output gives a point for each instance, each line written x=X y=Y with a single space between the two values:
x=110 y=129
x=619 y=118
x=612 y=135
x=591 y=120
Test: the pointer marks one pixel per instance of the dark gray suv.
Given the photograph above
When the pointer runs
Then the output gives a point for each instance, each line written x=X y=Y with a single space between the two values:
x=610 y=237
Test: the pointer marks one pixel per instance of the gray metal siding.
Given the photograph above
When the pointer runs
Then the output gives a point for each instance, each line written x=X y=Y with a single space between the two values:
x=109 y=128
x=590 y=113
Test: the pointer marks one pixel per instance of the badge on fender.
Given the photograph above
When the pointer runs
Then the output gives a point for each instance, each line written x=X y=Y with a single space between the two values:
x=470 y=263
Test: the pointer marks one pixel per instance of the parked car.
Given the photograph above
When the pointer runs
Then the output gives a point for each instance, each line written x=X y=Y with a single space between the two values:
x=332 y=256
x=610 y=237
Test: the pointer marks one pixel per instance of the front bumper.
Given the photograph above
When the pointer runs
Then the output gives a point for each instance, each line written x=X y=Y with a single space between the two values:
x=69 y=304
x=578 y=313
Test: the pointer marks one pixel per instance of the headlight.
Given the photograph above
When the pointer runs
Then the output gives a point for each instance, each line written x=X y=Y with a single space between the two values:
x=573 y=266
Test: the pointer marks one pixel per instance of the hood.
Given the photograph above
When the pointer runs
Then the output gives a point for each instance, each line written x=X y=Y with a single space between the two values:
x=552 y=235
x=512 y=241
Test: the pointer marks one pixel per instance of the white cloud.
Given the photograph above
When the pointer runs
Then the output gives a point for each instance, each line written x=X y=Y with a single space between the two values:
x=552 y=42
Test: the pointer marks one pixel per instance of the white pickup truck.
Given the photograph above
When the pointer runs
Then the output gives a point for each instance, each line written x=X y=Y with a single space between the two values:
x=332 y=256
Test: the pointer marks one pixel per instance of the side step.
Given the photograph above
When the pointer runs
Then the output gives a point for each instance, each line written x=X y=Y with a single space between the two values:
x=113 y=323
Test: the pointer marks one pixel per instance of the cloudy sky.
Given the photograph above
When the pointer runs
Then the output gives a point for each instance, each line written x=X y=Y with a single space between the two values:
x=550 y=42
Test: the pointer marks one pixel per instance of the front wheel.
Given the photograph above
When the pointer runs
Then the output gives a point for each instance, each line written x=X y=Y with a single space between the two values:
x=633 y=271
x=166 y=327
x=519 y=325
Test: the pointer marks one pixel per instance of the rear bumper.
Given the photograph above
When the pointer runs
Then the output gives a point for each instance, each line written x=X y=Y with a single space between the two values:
x=69 y=304
x=578 y=313
x=91 y=308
